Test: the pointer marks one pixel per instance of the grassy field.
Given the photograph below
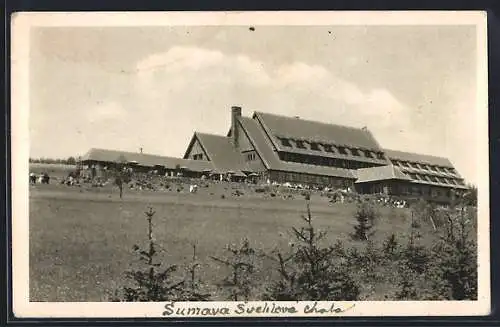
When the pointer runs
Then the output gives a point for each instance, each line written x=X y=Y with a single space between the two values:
x=81 y=238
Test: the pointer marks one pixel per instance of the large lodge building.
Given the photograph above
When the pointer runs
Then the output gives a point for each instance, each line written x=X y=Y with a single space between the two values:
x=283 y=149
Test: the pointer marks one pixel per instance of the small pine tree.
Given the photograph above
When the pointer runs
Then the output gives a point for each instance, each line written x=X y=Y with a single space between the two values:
x=365 y=218
x=193 y=290
x=407 y=286
x=241 y=262
x=150 y=283
x=415 y=255
x=455 y=260
x=390 y=246
x=311 y=272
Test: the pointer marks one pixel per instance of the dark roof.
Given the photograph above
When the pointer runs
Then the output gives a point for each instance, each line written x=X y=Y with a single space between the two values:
x=271 y=160
x=146 y=160
x=221 y=153
x=420 y=158
x=297 y=128
x=315 y=170
x=381 y=173
x=449 y=184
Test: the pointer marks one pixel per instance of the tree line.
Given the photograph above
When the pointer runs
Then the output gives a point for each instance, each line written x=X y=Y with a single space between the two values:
x=68 y=161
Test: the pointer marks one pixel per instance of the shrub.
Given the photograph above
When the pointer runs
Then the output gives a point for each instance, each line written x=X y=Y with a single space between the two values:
x=455 y=260
x=407 y=286
x=415 y=256
x=390 y=246
x=311 y=272
x=365 y=218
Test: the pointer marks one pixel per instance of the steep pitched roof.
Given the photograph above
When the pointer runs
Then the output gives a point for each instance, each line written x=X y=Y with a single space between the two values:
x=222 y=153
x=317 y=131
x=143 y=159
x=260 y=141
x=419 y=158
x=389 y=172
x=264 y=148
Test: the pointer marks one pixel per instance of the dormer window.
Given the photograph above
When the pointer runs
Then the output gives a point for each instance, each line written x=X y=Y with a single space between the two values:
x=300 y=144
x=285 y=142
x=380 y=155
x=315 y=146
x=328 y=147
x=368 y=154
x=355 y=152
x=342 y=150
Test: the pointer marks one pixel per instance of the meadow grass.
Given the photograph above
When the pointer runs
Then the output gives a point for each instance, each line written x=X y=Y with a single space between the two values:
x=81 y=239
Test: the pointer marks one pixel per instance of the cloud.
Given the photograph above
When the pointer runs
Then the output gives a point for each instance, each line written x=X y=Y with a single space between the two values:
x=192 y=88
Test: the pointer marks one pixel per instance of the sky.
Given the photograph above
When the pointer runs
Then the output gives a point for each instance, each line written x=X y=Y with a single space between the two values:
x=124 y=88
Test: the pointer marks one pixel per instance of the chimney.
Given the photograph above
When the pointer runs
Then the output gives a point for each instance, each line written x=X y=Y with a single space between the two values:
x=235 y=114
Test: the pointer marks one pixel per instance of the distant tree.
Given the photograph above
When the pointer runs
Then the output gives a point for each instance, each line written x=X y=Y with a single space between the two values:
x=71 y=161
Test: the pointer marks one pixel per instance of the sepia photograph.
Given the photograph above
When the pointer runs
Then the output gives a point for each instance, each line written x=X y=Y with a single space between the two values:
x=250 y=164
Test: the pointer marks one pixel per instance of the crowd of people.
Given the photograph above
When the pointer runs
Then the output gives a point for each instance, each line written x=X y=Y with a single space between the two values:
x=154 y=182
x=42 y=178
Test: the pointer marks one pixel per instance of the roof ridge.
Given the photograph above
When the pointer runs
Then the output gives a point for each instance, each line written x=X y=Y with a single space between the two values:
x=312 y=121
x=131 y=152
x=209 y=134
x=417 y=153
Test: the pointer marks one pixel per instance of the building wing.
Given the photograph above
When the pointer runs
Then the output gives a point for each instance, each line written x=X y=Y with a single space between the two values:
x=426 y=169
x=382 y=173
x=220 y=152
x=264 y=147
x=145 y=160
x=321 y=139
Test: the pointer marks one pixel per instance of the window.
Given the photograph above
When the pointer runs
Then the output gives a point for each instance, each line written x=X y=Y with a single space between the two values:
x=198 y=156
x=328 y=147
x=413 y=176
x=315 y=146
x=380 y=155
x=251 y=156
x=342 y=150
x=368 y=154
x=300 y=144
x=285 y=142
x=355 y=152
